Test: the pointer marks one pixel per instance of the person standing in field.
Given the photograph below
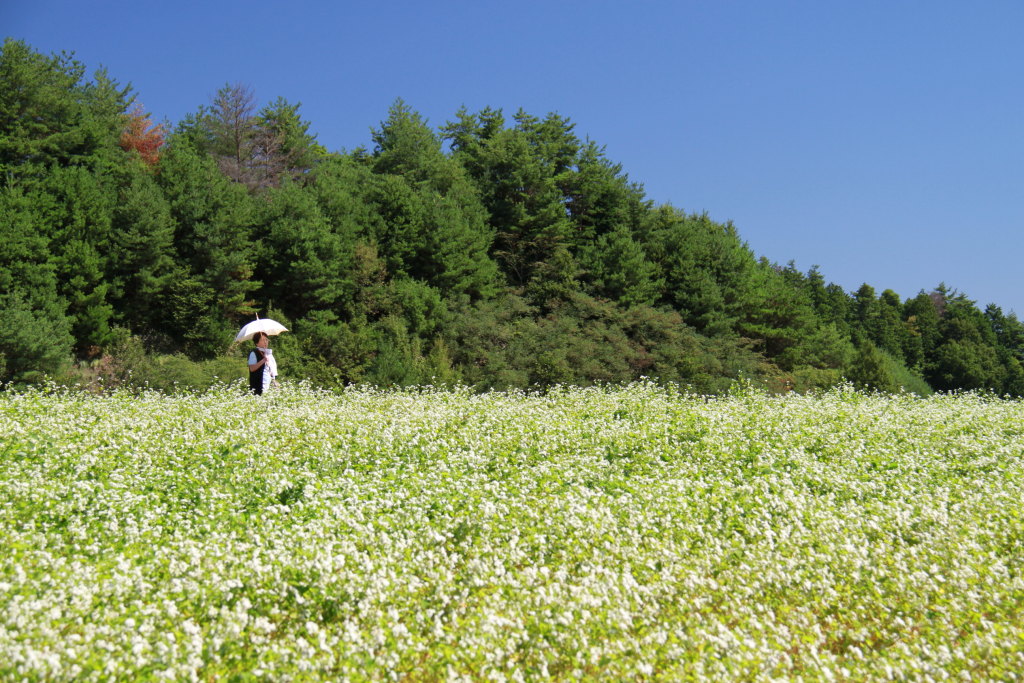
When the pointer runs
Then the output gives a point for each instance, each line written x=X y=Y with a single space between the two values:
x=262 y=366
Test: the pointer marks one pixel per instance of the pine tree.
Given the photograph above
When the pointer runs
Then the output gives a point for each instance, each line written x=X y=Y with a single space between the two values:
x=708 y=270
x=620 y=270
x=304 y=264
x=291 y=150
x=141 y=263
x=40 y=111
x=518 y=172
x=433 y=226
x=214 y=245
x=37 y=338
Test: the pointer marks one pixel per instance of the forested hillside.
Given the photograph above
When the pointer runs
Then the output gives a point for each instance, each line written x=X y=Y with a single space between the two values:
x=495 y=250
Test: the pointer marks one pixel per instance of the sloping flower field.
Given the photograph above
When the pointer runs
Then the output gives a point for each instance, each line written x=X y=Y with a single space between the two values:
x=631 y=533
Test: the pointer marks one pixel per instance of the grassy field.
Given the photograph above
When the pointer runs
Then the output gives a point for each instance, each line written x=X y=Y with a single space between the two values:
x=623 y=534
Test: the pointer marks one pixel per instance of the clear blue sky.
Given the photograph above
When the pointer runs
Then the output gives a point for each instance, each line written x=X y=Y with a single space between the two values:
x=880 y=140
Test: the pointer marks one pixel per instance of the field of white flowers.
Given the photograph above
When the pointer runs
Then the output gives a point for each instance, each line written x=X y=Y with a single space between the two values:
x=631 y=533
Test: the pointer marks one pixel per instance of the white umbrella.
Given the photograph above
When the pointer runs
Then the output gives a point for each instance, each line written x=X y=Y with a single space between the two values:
x=260 y=325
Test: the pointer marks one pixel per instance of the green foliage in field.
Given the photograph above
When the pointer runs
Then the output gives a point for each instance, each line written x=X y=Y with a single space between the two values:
x=607 y=533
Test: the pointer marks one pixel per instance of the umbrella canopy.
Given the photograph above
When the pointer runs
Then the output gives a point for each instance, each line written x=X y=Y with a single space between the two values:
x=260 y=325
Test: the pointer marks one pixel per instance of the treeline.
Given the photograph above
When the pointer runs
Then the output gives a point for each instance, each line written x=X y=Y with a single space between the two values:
x=494 y=251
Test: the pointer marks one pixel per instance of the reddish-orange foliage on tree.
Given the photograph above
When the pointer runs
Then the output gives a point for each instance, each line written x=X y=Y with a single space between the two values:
x=141 y=135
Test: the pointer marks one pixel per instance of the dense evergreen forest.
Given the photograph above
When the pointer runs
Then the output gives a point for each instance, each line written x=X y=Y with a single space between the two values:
x=493 y=251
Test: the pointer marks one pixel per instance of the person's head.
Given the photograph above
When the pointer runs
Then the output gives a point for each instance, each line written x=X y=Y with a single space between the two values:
x=260 y=339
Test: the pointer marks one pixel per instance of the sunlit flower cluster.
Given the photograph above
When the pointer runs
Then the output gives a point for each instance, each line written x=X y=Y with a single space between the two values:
x=619 y=533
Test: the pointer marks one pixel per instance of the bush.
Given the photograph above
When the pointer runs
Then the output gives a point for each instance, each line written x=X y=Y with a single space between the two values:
x=35 y=342
x=125 y=363
x=875 y=369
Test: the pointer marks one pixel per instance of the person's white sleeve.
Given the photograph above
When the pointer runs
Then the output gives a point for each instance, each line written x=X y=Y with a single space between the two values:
x=252 y=358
